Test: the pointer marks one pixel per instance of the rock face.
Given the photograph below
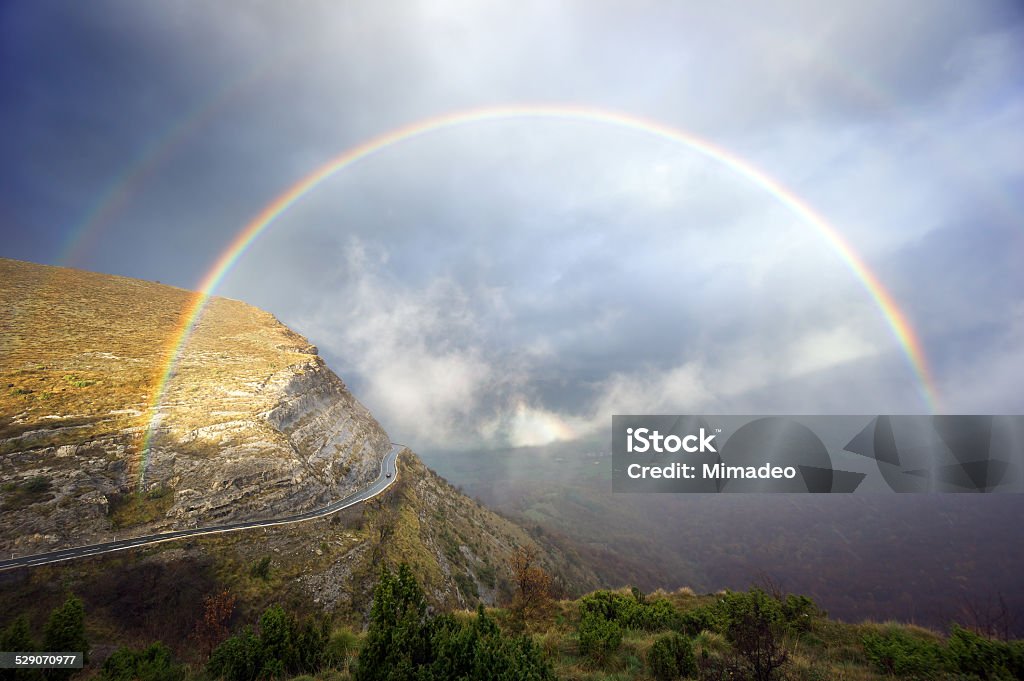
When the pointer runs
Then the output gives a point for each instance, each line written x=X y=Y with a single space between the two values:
x=115 y=422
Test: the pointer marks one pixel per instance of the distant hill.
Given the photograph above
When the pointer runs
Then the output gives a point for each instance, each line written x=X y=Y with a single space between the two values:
x=924 y=558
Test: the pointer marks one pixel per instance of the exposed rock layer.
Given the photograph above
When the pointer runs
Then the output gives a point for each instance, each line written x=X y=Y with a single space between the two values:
x=114 y=422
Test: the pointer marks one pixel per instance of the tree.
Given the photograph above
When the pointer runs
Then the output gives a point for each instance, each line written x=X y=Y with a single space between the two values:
x=397 y=640
x=405 y=642
x=65 y=633
x=283 y=647
x=381 y=515
x=277 y=647
x=17 y=638
x=532 y=582
x=991 y=617
x=212 y=628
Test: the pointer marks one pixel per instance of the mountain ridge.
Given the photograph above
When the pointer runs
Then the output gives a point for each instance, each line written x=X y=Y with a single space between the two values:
x=253 y=424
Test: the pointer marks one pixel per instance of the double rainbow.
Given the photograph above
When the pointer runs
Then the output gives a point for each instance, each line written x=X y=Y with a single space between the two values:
x=894 y=316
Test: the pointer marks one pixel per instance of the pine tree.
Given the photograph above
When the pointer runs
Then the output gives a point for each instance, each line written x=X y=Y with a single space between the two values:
x=17 y=638
x=65 y=633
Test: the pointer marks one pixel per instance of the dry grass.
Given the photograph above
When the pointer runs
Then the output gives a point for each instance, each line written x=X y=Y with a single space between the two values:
x=81 y=355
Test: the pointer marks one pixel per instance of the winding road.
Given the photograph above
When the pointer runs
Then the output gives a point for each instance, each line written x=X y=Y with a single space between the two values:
x=388 y=474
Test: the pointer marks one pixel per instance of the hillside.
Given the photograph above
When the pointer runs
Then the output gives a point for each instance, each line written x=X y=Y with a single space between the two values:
x=459 y=549
x=929 y=559
x=253 y=424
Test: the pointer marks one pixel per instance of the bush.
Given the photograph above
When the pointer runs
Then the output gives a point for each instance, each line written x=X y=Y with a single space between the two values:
x=692 y=622
x=632 y=612
x=37 y=485
x=340 y=647
x=671 y=657
x=895 y=651
x=598 y=637
x=238 y=658
x=404 y=642
x=155 y=663
x=753 y=624
x=799 y=612
x=282 y=647
x=970 y=653
x=261 y=569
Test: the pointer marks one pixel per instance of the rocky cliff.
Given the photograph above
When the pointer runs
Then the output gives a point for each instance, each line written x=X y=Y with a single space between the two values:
x=250 y=423
x=245 y=421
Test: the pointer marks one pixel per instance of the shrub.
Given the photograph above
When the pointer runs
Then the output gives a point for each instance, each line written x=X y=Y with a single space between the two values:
x=671 y=657
x=799 y=613
x=639 y=613
x=340 y=647
x=753 y=623
x=895 y=651
x=261 y=569
x=970 y=653
x=404 y=642
x=282 y=647
x=598 y=637
x=37 y=485
x=236 y=659
x=692 y=622
x=155 y=663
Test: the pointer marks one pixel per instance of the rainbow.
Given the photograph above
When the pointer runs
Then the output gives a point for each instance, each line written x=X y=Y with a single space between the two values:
x=894 y=317
x=154 y=154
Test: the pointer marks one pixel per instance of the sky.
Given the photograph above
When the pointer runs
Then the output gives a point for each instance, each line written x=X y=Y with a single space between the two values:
x=516 y=281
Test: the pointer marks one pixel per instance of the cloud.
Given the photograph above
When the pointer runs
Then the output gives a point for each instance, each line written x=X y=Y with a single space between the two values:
x=511 y=282
x=418 y=352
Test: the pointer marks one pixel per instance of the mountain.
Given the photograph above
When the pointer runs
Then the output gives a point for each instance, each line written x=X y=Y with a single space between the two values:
x=251 y=424
x=923 y=558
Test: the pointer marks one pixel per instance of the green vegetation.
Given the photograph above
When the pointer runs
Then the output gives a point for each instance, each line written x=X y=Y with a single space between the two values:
x=282 y=648
x=671 y=657
x=261 y=569
x=404 y=642
x=65 y=631
x=78 y=381
x=896 y=651
x=598 y=638
x=31 y=491
x=155 y=663
x=140 y=508
x=624 y=634
x=985 y=658
x=18 y=638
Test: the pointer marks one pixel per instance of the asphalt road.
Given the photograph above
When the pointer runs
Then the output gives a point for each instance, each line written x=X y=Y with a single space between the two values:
x=388 y=465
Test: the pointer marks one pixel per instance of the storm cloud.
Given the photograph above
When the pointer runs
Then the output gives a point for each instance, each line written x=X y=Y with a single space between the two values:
x=515 y=282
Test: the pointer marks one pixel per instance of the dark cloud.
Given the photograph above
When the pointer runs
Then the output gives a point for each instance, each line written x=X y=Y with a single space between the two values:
x=517 y=281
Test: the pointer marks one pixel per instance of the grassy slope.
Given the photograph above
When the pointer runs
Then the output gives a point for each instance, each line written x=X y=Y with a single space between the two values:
x=81 y=353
